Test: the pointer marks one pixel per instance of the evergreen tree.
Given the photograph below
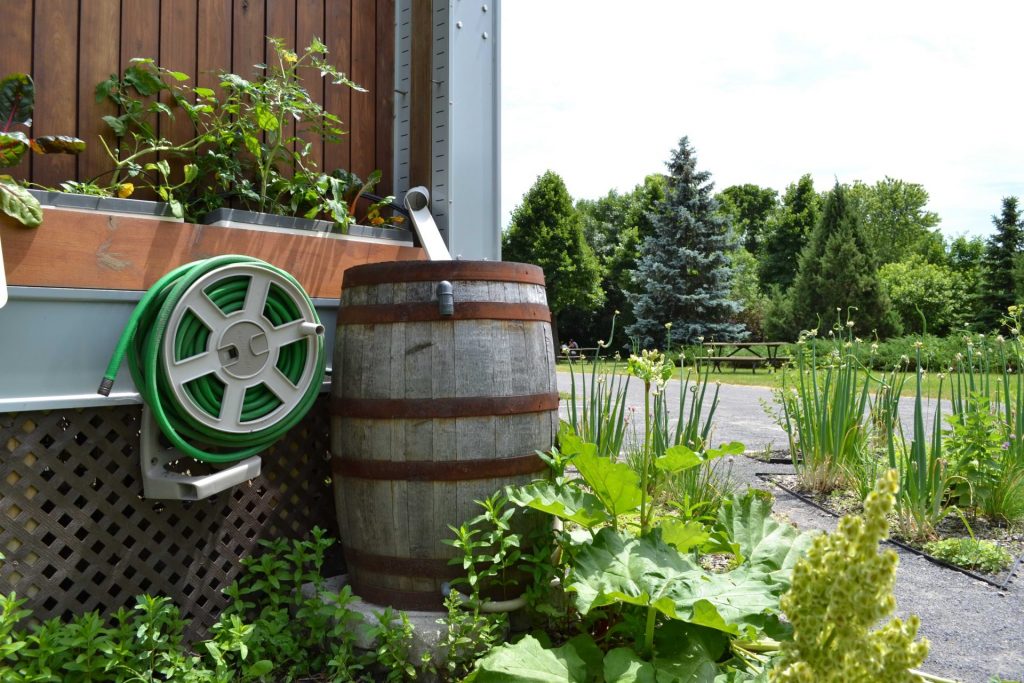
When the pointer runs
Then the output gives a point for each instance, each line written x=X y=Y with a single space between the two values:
x=786 y=234
x=998 y=286
x=839 y=270
x=546 y=230
x=683 y=275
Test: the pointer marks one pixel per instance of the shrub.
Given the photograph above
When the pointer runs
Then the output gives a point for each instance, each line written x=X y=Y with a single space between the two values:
x=971 y=554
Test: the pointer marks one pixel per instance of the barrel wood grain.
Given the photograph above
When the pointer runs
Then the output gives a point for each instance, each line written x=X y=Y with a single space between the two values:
x=435 y=359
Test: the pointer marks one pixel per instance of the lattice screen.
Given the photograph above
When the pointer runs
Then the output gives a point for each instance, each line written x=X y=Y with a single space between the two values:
x=78 y=536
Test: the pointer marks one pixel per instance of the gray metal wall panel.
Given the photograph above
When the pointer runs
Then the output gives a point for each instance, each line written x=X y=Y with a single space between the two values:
x=55 y=345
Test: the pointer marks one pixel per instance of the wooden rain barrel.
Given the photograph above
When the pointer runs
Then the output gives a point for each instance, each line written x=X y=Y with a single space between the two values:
x=431 y=412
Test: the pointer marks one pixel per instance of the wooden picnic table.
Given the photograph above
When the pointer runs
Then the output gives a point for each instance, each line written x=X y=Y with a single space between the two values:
x=746 y=354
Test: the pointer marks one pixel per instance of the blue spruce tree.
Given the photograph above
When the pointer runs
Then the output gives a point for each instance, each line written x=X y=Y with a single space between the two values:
x=683 y=275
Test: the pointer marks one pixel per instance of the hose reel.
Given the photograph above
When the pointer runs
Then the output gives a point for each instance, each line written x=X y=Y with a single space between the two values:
x=228 y=356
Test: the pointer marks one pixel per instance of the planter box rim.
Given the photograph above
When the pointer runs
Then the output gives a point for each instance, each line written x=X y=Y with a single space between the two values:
x=253 y=220
x=116 y=205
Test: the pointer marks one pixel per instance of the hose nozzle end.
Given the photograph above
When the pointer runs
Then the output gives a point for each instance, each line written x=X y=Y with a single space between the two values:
x=105 y=386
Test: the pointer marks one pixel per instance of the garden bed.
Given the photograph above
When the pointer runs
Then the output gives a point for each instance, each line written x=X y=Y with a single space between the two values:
x=840 y=503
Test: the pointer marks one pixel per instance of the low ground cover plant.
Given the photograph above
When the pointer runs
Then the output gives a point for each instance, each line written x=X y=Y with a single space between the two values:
x=270 y=631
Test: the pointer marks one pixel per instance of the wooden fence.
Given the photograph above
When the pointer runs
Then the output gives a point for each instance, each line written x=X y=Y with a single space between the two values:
x=71 y=45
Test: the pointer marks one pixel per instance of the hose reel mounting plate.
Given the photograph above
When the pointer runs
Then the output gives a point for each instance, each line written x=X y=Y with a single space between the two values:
x=243 y=347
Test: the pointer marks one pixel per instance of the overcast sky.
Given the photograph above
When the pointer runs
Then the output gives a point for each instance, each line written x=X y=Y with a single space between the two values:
x=600 y=92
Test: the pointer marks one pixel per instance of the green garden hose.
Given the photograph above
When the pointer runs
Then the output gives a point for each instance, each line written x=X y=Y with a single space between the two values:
x=227 y=352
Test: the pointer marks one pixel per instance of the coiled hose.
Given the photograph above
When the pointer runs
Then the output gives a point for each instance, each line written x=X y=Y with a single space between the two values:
x=143 y=337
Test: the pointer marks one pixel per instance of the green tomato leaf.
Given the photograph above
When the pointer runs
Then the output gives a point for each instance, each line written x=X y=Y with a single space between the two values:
x=677 y=459
x=622 y=665
x=265 y=118
x=17 y=203
x=253 y=145
x=621 y=568
x=527 y=661
x=177 y=75
x=17 y=96
x=204 y=92
x=685 y=536
x=615 y=483
x=117 y=124
x=13 y=146
x=566 y=502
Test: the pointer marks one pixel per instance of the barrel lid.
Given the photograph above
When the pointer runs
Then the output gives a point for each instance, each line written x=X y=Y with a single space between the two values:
x=435 y=271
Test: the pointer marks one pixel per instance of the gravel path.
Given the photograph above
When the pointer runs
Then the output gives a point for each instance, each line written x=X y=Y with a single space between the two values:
x=976 y=631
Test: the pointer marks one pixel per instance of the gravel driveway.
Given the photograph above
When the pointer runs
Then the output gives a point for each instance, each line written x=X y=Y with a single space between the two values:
x=976 y=631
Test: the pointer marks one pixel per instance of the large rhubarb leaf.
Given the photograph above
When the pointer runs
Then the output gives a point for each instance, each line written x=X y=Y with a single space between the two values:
x=622 y=665
x=685 y=536
x=567 y=502
x=615 y=483
x=527 y=661
x=727 y=602
x=769 y=546
x=620 y=567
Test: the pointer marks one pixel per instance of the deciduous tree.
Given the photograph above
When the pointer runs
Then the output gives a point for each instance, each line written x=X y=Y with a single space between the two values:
x=546 y=230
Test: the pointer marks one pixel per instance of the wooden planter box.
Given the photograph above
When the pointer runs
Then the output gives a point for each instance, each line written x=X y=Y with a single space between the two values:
x=75 y=279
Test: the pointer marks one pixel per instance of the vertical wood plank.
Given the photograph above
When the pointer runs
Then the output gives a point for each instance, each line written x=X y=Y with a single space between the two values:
x=337 y=99
x=56 y=60
x=16 y=57
x=384 y=105
x=281 y=24
x=178 y=51
x=309 y=24
x=213 y=42
x=249 y=41
x=363 y=133
x=97 y=60
x=421 y=93
x=140 y=37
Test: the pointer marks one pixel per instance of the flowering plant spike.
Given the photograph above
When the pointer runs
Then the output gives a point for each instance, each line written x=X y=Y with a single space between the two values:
x=839 y=592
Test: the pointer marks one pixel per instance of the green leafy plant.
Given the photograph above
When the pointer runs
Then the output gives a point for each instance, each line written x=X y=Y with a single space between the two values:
x=468 y=635
x=924 y=475
x=17 y=100
x=272 y=629
x=825 y=412
x=971 y=553
x=839 y=593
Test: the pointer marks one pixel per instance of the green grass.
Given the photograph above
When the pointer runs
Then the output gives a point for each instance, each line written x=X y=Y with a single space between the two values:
x=772 y=378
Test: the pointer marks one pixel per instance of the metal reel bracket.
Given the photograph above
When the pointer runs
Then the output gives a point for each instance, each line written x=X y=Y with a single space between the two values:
x=160 y=483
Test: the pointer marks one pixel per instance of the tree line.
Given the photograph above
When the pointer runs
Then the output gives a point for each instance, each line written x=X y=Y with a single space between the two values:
x=752 y=263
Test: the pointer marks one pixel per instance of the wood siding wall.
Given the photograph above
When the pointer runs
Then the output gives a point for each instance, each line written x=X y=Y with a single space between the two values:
x=71 y=45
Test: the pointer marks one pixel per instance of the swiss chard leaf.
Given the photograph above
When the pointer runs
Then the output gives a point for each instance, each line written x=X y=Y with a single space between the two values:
x=17 y=97
x=58 y=144
x=13 y=146
x=16 y=202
